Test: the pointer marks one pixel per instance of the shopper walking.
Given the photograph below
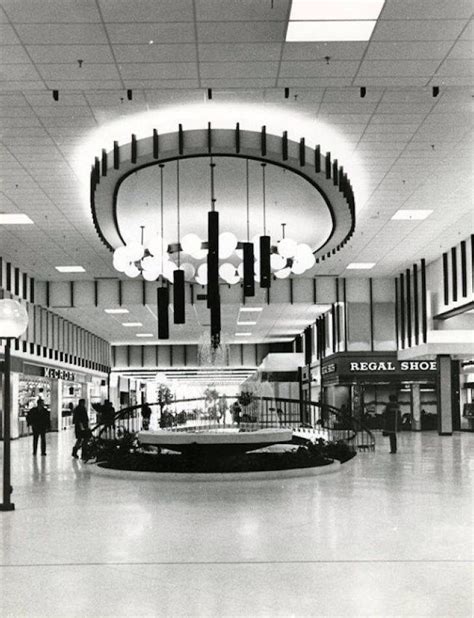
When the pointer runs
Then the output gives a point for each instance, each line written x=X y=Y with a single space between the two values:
x=390 y=417
x=38 y=420
x=80 y=419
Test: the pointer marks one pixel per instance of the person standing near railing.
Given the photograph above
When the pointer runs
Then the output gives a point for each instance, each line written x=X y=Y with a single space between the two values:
x=390 y=415
x=146 y=414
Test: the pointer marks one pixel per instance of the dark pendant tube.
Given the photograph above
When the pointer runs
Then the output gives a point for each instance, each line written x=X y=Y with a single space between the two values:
x=249 y=280
x=178 y=297
x=265 y=269
x=213 y=258
x=163 y=319
x=216 y=320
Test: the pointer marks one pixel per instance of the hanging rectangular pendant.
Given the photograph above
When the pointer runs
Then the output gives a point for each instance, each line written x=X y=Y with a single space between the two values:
x=163 y=318
x=249 y=265
x=212 y=258
x=265 y=268
x=179 y=297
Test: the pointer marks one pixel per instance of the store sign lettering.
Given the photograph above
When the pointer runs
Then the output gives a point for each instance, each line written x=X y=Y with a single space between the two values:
x=59 y=374
x=331 y=368
x=391 y=366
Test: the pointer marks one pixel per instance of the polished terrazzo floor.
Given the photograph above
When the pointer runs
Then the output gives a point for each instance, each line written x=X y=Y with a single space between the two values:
x=388 y=535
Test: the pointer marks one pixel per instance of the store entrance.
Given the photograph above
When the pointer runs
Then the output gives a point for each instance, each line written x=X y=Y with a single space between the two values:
x=417 y=401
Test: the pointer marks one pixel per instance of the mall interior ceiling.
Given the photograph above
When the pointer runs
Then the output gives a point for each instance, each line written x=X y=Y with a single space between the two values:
x=391 y=98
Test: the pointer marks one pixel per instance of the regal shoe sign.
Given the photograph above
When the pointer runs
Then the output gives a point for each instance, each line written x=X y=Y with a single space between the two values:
x=376 y=366
x=388 y=365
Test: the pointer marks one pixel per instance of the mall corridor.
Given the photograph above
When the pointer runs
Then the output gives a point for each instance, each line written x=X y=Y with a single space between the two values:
x=385 y=536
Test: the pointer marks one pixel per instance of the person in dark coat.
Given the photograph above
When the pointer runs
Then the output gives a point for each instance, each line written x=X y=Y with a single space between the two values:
x=146 y=414
x=108 y=414
x=80 y=420
x=38 y=420
x=390 y=417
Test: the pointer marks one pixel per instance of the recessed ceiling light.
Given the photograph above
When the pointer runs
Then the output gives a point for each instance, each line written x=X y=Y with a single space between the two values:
x=243 y=334
x=305 y=31
x=251 y=308
x=130 y=324
x=144 y=334
x=360 y=265
x=246 y=323
x=335 y=9
x=14 y=219
x=413 y=215
x=70 y=269
x=113 y=311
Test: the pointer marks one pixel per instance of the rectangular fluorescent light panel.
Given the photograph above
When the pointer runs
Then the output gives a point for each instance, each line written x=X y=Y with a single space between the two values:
x=144 y=334
x=113 y=311
x=360 y=265
x=131 y=324
x=246 y=323
x=243 y=334
x=14 y=219
x=251 y=309
x=315 y=10
x=411 y=215
x=306 y=31
x=70 y=269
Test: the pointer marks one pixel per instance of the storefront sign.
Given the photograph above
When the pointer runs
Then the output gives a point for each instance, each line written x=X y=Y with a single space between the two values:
x=388 y=365
x=329 y=368
x=59 y=374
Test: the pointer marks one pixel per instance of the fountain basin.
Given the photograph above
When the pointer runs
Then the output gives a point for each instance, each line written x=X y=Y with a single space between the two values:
x=221 y=441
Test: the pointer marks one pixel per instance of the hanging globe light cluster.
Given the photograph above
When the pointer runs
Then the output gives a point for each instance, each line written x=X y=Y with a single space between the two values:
x=288 y=257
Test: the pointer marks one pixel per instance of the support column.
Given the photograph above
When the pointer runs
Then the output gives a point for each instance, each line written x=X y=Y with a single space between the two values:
x=56 y=405
x=445 y=419
x=416 y=411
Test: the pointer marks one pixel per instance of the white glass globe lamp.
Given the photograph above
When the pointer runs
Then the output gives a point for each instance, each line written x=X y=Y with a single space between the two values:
x=283 y=274
x=13 y=318
x=135 y=251
x=287 y=247
x=191 y=243
x=132 y=271
x=277 y=262
x=227 y=244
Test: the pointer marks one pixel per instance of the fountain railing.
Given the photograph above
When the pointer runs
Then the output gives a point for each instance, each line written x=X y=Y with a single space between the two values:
x=307 y=419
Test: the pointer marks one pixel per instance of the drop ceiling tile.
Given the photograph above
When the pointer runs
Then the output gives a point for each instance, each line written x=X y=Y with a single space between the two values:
x=418 y=30
x=241 y=32
x=142 y=33
x=391 y=82
x=393 y=68
x=452 y=67
x=229 y=70
x=70 y=53
x=165 y=70
x=449 y=80
x=318 y=69
x=426 y=9
x=221 y=52
x=462 y=50
x=146 y=10
x=13 y=54
x=156 y=53
x=18 y=72
x=59 y=11
x=162 y=84
x=46 y=100
x=7 y=35
x=62 y=34
x=314 y=82
x=250 y=10
x=407 y=50
x=85 y=85
x=343 y=50
x=71 y=72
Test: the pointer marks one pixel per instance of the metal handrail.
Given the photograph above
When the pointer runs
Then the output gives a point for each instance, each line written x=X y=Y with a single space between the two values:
x=294 y=414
